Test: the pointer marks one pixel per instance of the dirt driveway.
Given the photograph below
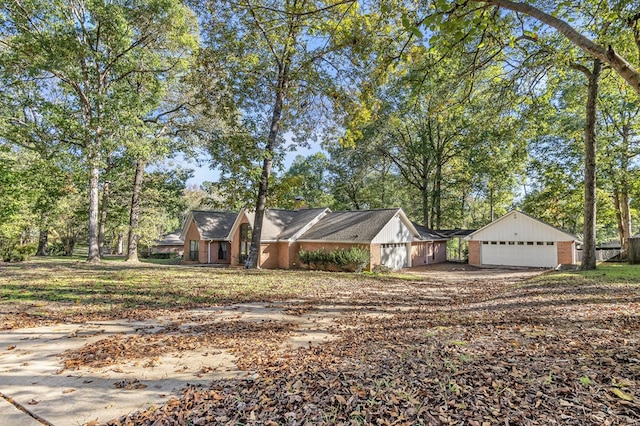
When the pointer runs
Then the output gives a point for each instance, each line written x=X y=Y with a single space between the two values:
x=455 y=344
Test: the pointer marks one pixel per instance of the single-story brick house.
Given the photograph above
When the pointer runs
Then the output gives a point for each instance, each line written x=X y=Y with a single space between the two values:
x=517 y=239
x=168 y=244
x=392 y=239
x=430 y=248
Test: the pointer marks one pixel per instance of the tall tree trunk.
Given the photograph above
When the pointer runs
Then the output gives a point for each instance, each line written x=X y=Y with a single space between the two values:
x=103 y=215
x=134 y=214
x=276 y=117
x=438 y=196
x=617 y=205
x=626 y=216
x=43 y=237
x=589 y=229
x=425 y=207
x=120 y=243
x=94 y=196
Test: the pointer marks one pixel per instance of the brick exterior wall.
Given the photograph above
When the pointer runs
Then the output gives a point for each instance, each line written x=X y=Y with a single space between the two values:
x=566 y=253
x=235 y=243
x=375 y=253
x=168 y=249
x=439 y=248
x=192 y=234
x=474 y=252
x=419 y=252
x=269 y=256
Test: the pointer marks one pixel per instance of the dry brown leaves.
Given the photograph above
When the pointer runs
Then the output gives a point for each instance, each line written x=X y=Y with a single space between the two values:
x=492 y=354
x=240 y=336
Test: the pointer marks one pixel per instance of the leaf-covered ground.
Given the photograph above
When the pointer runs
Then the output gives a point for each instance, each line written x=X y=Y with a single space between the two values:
x=562 y=348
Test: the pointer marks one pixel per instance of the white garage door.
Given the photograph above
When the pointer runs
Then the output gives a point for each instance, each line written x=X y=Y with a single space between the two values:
x=394 y=256
x=536 y=255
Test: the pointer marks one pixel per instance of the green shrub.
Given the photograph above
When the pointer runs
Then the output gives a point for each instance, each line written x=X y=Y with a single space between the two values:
x=19 y=252
x=353 y=259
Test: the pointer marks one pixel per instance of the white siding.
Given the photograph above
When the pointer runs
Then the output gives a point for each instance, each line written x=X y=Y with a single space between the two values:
x=519 y=227
x=395 y=231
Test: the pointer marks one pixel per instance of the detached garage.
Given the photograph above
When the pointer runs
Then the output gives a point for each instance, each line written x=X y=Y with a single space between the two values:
x=517 y=239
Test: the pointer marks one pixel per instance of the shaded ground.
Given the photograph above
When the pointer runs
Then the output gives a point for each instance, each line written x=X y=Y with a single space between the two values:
x=477 y=347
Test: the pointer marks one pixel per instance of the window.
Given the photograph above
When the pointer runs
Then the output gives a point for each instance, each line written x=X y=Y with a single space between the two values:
x=540 y=243
x=493 y=243
x=550 y=243
x=485 y=242
x=502 y=243
x=222 y=250
x=520 y=243
x=193 y=250
x=529 y=243
x=511 y=243
x=245 y=241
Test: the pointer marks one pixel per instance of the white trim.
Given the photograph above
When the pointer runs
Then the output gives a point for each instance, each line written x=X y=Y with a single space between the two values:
x=209 y=251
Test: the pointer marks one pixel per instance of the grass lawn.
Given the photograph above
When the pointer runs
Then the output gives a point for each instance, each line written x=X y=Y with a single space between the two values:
x=58 y=290
x=561 y=348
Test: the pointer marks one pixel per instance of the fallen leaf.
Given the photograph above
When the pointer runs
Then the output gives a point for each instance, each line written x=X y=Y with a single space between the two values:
x=620 y=394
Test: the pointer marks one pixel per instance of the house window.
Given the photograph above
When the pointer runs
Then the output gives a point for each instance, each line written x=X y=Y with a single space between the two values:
x=529 y=243
x=520 y=243
x=193 y=250
x=245 y=241
x=422 y=249
x=540 y=243
x=485 y=242
x=511 y=243
x=502 y=243
x=550 y=243
x=222 y=250
x=493 y=243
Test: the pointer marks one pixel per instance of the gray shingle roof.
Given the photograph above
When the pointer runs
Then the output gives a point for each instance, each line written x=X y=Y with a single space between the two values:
x=172 y=239
x=214 y=225
x=284 y=224
x=357 y=226
x=429 y=234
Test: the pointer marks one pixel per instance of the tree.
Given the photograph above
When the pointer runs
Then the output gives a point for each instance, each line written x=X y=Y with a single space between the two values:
x=305 y=183
x=276 y=56
x=86 y=53
x=622 y=17
x=621 y=148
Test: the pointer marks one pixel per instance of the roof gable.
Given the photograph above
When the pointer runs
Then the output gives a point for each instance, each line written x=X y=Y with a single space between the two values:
x=213 y=225
x=518 y=226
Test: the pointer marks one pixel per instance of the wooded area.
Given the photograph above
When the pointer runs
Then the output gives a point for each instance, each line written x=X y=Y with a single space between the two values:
x=455 y=111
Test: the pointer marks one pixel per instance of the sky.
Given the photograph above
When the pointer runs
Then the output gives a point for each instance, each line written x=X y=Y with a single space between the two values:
x=204 y=173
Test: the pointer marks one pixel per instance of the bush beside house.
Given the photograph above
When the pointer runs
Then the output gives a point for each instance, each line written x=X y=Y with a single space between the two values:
x=353 y=259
